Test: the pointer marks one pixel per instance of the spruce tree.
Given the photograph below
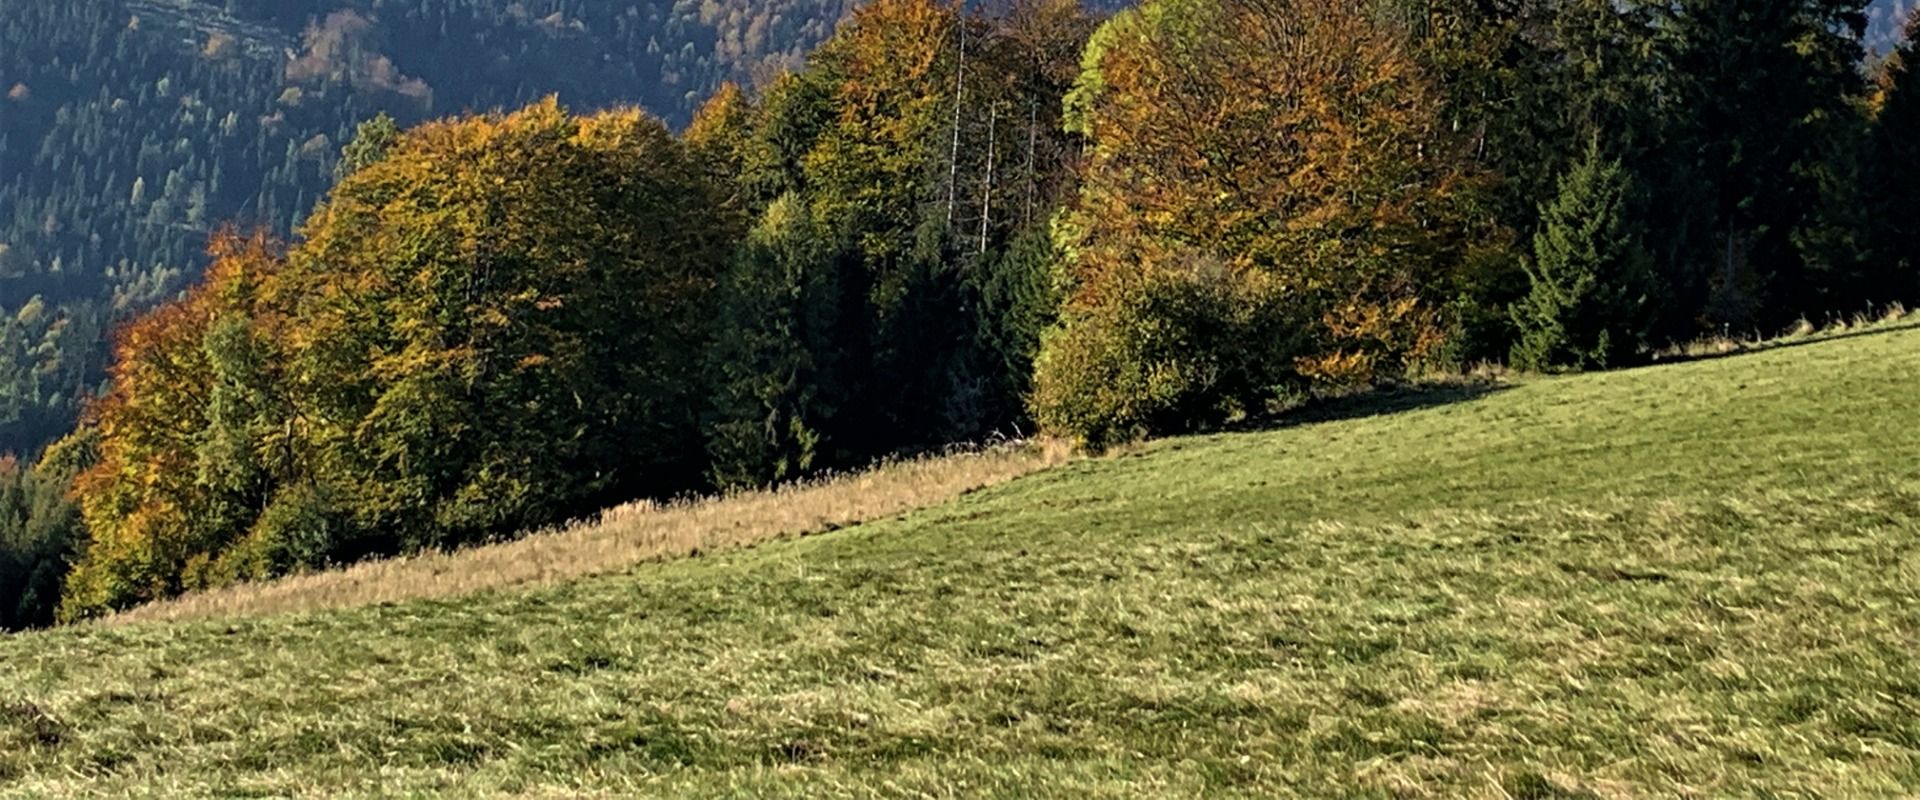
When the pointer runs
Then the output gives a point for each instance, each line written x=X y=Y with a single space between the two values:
x=1592 y=282
x=771 y=367
x=1760 y=89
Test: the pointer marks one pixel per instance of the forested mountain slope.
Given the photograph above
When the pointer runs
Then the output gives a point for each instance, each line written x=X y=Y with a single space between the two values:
x=131 y=128
x=1884 y=19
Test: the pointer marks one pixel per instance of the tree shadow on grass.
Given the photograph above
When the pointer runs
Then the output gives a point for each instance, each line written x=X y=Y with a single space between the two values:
x=1376 y=402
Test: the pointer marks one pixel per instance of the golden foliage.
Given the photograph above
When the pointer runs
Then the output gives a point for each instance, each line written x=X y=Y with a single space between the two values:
x=495 y=325
x=1294 y=148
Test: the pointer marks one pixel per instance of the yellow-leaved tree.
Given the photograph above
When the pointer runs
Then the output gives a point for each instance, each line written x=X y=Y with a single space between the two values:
x=1270 y=199
x=495 y=323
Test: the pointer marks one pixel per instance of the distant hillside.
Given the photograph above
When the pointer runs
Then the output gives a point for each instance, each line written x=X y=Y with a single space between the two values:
x=1884 y=21
x=129 y=128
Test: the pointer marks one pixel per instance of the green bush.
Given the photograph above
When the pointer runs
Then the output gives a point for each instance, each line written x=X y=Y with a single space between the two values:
x=1165 y=352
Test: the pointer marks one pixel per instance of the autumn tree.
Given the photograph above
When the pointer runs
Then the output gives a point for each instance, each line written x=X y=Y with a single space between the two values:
x=718 y=140
x=180 y=464
x=502 y=322
x=499 y=324
x=1271 y=196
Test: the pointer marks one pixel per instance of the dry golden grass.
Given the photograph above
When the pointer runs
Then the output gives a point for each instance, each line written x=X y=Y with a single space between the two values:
x=625 y=536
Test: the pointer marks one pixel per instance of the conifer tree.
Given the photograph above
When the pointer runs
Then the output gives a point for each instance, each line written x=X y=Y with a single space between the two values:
x=40 y=531
x=1760 y=89
x=1592 y=293
x=774 y=388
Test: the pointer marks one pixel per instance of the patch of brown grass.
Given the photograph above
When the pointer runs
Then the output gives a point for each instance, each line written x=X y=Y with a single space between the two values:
x=625 y=536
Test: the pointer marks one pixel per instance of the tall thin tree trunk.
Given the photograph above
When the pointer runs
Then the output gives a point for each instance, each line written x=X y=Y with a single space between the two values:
x=1033 y=144
x=986 y=192
x=959 y=100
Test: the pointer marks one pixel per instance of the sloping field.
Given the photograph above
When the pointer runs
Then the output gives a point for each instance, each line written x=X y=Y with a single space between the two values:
x=1700 y=579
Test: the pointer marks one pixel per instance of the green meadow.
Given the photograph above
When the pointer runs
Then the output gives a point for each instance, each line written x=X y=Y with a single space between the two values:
x=1695 y=579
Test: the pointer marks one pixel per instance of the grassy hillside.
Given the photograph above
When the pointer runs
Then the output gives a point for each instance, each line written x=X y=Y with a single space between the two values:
x=1692 y=579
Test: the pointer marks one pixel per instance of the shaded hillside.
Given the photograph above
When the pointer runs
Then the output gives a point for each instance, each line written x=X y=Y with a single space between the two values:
x=1884 y=20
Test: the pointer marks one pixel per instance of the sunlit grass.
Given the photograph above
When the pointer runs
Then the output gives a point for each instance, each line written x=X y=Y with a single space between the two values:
x=1700 y=579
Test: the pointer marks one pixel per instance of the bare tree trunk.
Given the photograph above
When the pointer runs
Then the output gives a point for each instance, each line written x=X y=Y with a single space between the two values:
x=1033 y=143
x=959 y=99
x=986 y=192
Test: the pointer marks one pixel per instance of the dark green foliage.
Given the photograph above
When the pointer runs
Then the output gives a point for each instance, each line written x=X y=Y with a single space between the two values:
x=774 y=360
x=1593 y=295
x=49 y=363
x=1018 y=299
x=909 y=317
x=1892 y=201
x=41 y=533
x=1760 y=89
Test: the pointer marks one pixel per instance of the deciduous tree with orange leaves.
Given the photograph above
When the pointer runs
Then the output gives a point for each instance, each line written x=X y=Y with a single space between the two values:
x=189 y=439
x=498 y=324
x=1271 y=196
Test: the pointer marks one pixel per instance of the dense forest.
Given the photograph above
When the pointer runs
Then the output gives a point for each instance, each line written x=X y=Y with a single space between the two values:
x=946 y=224
x=129 y=129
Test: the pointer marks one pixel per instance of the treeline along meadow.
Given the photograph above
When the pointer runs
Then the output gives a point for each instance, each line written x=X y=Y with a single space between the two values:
x=952 y=224
x=130 y=129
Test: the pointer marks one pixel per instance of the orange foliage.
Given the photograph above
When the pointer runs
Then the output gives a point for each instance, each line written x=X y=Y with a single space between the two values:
x=1298 y=139
x=1290 y=154
x=140 y=497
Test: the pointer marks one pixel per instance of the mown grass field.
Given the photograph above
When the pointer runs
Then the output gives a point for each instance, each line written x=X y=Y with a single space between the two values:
x=1700 y=579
